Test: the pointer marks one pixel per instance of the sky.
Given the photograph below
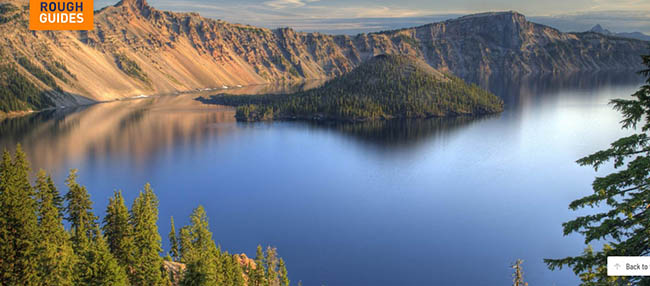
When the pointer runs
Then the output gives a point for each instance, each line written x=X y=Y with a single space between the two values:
x=354 y=16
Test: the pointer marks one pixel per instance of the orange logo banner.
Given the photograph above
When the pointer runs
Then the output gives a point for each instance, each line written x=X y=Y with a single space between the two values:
x=60 y=15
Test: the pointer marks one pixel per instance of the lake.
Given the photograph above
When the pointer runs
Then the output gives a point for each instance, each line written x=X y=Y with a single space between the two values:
x=406 y=202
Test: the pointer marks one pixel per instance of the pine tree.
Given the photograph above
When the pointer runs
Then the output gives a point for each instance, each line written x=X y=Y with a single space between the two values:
x=18 y=222
x=271 y=264
x=55 y=255
x=518 y=276
x=232 y=271
x=199 y=251
x=218 y=258
x=257 y=275
x=97 y=265
x=57 y=199
x=148 y=267
x=625 y=225
x=79 y=210
x=118 y=231
x=83 y=252
x=238 y=273
x=185 y=243
x=227 y=269
x=284 y=276
x=173 y=242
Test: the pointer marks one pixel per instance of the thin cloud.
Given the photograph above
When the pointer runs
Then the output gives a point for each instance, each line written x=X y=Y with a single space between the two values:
x=616 y=21
x=283 y=4
x=312 y=15
x=624 y=5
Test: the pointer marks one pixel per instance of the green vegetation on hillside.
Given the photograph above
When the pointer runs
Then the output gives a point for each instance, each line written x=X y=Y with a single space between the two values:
x=6 y=14
x=39 y=73
x=622 y=220
x=36 y=249
x=59 y=70
x=18 y=93
x=6 y=8
x=131 y=68
x=384 y=87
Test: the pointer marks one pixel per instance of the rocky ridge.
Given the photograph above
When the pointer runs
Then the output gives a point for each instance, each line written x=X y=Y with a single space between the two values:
x=136 y=49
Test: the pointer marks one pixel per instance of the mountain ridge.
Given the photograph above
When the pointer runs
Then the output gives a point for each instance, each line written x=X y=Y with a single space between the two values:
x=136 y=49
x=630 y=35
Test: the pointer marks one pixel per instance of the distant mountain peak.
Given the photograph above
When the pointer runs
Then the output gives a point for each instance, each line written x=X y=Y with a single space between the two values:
x=599 y=29
x=510 y=13
x=139 y=4
x=630 y=35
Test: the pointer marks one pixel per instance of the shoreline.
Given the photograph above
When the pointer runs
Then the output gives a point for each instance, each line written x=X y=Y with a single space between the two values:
x=15 y=114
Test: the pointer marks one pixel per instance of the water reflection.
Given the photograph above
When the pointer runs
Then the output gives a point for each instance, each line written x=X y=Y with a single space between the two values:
x=137 y=129
x=517 y=92
x=134 y=129
x=395 y=193
x=140 y=129
x=400 y=134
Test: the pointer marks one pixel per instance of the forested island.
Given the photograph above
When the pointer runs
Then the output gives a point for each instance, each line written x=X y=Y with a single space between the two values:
x=123 y=249
x=385 y=87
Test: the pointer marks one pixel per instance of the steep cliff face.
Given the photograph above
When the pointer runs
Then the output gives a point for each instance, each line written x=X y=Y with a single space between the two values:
x=506 y=43
x=136 y=49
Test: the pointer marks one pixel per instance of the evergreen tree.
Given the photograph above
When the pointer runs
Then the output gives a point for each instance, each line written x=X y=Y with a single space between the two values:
x=271 y=264
x=218 y=258
x=18 y=222
x=199 y=251
x=185 y=244
x=97 y=266
x=625 y=225
x=284 y=276
x=79 y=210
x=55 y=255
x=232 y=270
x=57 y=199
x=518 y=276
x=238 y=273
x=36 y=249
x=148 y=267
x=257 y=275
x=227 y=269
x=173 y=242
x=118 y=231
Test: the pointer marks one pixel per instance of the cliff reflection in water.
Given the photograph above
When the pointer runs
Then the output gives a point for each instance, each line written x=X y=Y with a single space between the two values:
x=142 y=130
x=519 y=92
x=135 y=129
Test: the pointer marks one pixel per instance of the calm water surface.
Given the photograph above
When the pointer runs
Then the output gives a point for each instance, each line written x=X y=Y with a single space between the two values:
x=418 y=202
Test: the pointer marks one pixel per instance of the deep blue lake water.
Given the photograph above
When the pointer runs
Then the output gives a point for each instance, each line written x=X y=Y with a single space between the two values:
x=419 y=202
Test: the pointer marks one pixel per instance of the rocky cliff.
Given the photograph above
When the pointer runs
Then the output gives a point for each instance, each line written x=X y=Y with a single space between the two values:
x=136 y=49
